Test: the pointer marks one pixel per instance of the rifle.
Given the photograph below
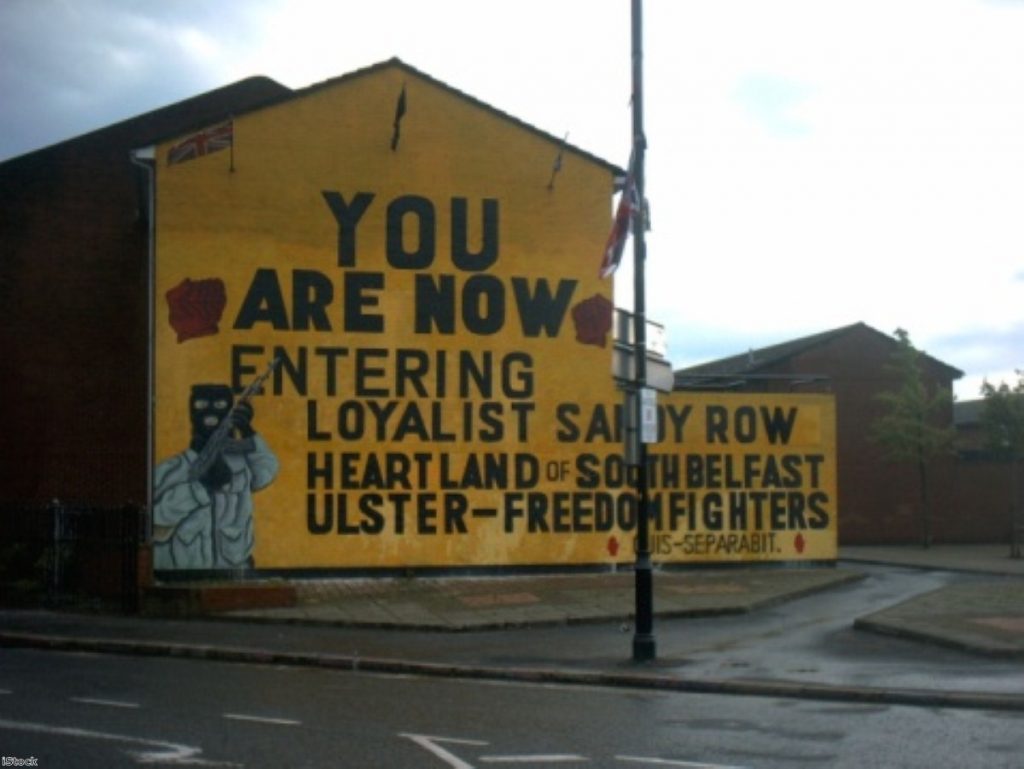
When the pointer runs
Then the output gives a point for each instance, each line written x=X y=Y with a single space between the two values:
x=219 y=437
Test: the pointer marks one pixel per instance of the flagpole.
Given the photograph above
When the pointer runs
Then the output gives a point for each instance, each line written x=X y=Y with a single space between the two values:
x=644 y=648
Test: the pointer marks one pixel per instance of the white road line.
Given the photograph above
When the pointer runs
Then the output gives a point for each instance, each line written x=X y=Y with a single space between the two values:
x=672 y=762
x=105 y=703
x=541 y=758
x=159 y=751
x=262 y=719
x=6 y=691
x=429 y=743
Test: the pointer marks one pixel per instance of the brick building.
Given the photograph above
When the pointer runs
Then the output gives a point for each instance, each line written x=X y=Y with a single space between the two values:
x=74 y=287
x=879 y=501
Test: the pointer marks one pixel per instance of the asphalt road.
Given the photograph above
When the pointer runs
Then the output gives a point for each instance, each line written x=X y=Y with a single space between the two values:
x=84 y=710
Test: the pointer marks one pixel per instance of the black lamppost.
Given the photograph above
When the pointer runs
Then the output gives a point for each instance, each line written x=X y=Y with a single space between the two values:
x=644 y=648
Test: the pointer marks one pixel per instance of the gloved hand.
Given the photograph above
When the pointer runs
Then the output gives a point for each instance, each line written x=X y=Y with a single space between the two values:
x=241 y=419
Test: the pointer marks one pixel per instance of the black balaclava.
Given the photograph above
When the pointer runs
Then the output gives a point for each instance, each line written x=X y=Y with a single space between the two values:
x=208 y=406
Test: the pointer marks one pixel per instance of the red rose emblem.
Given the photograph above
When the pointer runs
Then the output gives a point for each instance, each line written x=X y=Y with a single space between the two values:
x=593 y=320
x=196 y=307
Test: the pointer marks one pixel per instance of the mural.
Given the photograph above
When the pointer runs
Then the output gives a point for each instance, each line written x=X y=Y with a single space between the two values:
x=433 y=334
x=202 y=497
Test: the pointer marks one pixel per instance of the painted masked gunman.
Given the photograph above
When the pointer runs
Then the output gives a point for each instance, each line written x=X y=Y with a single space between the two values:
x=203 y=516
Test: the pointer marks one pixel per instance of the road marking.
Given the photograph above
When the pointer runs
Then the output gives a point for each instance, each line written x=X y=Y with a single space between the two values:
x=672 y=762
x=432 y=745
x=550 y=758
x=105 y=703
x=6 y=691
x=160 y=751
x=429 y=743
x=262 y=719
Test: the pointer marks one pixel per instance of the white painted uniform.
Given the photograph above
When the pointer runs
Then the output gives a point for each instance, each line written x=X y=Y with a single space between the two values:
x=196 y=529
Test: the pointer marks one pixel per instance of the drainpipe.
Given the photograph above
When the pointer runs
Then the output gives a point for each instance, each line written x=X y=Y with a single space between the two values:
x=146 y=159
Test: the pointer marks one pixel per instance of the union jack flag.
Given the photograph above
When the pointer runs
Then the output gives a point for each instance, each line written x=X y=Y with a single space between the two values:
x=208 y=140
x=616 y=243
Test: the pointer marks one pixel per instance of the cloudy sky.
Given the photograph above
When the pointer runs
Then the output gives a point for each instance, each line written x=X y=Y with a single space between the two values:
x=811 y=163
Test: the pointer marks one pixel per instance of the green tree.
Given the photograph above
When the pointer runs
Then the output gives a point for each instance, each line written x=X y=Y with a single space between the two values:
x=1002 y=417
x=914 y=425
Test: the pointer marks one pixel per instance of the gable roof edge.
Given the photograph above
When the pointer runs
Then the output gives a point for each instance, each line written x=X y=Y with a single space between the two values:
x=394 y=61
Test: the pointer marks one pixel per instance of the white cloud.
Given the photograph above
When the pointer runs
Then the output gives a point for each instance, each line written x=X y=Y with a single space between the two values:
x=878 y=177
x=810 y=164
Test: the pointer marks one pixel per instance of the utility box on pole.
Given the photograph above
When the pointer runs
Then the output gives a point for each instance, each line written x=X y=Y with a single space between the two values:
x=641 y=404
x=659 y=369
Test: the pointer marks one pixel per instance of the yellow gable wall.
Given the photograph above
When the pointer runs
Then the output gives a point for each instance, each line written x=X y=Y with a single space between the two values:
x=490 y=443
x=745 y=477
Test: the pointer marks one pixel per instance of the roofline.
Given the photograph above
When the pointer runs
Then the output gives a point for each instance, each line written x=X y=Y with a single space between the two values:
x=819 y=338
x=180 y=104
x=396 y=62
x=957 y=373
x=705 y=382
x=813 y=341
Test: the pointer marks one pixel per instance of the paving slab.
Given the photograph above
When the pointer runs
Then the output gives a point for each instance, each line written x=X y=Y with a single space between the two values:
x=982 y=617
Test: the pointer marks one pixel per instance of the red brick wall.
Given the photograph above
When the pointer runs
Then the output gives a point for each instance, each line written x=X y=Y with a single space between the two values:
x=74 y=295
x=983 y=492
x=879 y=500
x=74 y=291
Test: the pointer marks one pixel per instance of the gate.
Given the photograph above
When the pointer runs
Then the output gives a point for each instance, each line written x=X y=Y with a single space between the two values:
x=63 y=553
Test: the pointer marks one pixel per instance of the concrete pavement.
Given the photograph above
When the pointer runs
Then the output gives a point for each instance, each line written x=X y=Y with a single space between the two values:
x=486 y=603
x=404 y=625
x=984 y=618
